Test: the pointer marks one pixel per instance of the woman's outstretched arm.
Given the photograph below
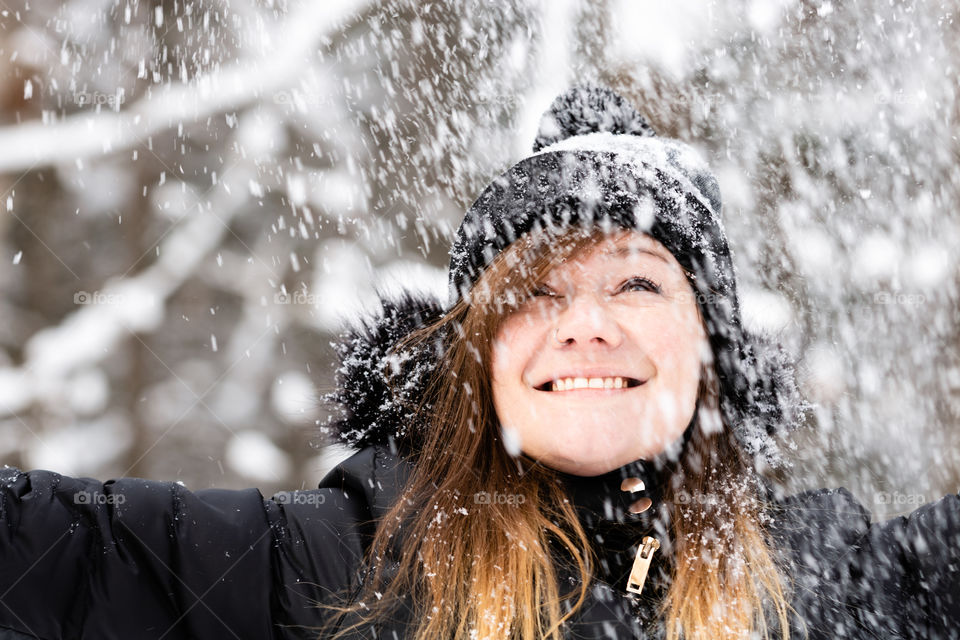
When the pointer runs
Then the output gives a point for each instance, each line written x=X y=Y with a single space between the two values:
x=852 y=578
x=136 y=558
x=909 y=566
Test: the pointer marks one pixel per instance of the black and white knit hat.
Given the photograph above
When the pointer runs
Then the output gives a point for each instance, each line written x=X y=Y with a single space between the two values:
x=597 y=162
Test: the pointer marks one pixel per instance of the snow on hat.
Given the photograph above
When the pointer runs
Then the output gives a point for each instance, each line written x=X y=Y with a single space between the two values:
x=596 y=162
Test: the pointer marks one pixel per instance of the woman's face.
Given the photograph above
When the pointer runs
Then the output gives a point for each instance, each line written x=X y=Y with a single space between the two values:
x=601 y=366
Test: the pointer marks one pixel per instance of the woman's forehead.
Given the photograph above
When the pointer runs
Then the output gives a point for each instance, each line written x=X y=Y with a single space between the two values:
x=634 y=248
x=626 y=245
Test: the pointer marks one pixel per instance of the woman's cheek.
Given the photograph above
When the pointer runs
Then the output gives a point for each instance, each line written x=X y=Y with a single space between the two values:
x=664 y=340
x=533 y=334
x=682 y=334
x=513 y=347
x=501 y=352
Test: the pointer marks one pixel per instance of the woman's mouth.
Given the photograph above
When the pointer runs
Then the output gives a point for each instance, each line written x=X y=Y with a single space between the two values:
x=572 y=384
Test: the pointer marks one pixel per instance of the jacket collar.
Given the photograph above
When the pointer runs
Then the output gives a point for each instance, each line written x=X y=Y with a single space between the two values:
x=597 y=499
x=602 y=498
x=379 y=473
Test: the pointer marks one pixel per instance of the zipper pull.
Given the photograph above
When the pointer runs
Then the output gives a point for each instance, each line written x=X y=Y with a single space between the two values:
x=641 y=564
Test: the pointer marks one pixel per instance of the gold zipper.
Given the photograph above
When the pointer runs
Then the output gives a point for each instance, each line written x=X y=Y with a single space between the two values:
x=641 y=564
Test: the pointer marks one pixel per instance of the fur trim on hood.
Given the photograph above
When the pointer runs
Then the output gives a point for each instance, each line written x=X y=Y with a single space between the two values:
x=365 y=410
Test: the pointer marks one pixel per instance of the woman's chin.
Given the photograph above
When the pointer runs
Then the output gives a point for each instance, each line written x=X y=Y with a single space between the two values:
x=581 y=466
x=592 y=451
x=590 y=458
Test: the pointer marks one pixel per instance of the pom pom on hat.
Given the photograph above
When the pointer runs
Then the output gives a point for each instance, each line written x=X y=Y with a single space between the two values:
x=589 y=109
x=583 y=110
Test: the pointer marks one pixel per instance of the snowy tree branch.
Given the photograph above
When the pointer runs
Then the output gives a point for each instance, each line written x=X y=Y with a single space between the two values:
x=83 y=135
x=120 y=308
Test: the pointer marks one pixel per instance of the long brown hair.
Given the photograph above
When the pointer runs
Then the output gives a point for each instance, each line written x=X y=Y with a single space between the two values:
x=469 y=566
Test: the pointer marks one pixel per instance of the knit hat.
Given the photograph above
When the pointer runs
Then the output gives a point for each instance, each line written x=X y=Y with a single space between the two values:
x=596 y=162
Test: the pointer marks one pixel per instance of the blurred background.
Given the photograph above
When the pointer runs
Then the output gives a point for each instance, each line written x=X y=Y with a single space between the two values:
x=194 y=195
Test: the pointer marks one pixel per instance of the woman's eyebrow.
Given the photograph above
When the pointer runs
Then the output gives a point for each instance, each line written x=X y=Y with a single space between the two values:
x=621 y=252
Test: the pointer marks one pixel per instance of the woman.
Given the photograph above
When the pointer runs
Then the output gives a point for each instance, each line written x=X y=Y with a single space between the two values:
x=573 y=448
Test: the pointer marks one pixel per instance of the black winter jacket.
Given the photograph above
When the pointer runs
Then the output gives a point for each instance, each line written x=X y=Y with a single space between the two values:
x=134 y=559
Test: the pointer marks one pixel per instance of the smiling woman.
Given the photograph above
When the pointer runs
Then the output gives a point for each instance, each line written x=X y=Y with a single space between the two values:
x=591 y=381
x=582 y=374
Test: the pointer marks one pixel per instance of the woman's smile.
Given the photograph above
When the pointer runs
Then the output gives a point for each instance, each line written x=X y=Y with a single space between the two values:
x=591 y=393
x=574 y=382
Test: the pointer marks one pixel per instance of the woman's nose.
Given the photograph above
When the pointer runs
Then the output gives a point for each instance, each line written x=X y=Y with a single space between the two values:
x=586 y=322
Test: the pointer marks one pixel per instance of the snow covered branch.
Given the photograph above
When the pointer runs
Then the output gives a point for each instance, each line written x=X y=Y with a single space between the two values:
x=121 y=308
x=83 y=135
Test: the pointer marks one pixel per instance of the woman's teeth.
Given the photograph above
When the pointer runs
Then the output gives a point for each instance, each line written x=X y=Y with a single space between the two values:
x=567 y=384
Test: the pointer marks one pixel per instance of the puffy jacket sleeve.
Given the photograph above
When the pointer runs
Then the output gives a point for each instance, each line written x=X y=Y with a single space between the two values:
x=908 y=569
x=140 y=559
x=853 y=578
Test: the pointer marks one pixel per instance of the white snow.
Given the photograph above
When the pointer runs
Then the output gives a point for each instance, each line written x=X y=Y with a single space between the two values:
x=293 y=397
x=815 y=251
x=930 y=266
x=253 y=455
x=88 y=391
x=764 y=310
x=826 y=380
x=876 y=259
x=82 y=448
x=659 y=32
x=645 y=153
x=77 y=136
x=512 y=441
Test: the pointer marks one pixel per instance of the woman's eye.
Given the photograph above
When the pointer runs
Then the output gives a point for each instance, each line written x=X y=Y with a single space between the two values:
x=639 y=284
x=543 y=291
